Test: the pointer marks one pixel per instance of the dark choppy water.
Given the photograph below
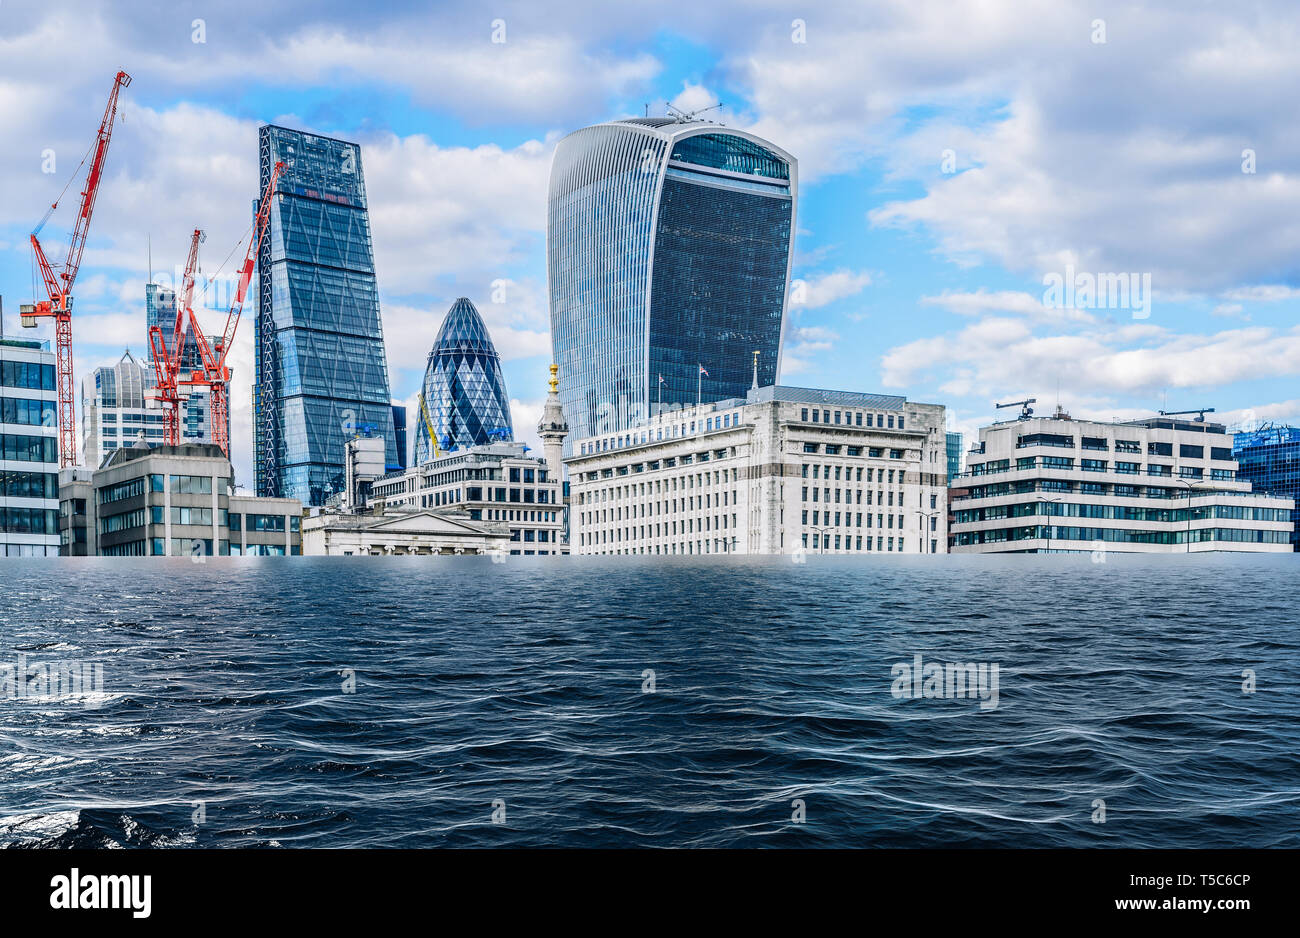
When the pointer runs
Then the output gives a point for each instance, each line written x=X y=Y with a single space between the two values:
x=523 y=682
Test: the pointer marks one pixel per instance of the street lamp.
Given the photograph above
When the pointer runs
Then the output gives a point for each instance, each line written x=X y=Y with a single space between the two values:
x=924 y=515
x=1049 y=526
x=1190 y=486
x=824 y=537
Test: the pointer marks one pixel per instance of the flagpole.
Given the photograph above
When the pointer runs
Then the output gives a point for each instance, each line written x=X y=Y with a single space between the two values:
x=699 y=383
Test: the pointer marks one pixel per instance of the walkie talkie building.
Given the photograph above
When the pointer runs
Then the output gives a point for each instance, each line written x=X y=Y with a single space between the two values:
x=322 y=376
x=669 y=245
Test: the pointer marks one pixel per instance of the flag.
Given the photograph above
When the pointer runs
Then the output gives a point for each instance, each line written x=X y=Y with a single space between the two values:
x=703 y=372
x=661 y=379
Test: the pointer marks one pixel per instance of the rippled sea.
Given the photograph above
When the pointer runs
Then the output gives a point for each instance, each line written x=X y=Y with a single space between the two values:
x=425 y=702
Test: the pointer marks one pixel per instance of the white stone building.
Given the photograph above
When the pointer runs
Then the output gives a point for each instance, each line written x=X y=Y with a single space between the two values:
x=782 y=470
x=496 y=482
x=401 y=532
x=1157 y=485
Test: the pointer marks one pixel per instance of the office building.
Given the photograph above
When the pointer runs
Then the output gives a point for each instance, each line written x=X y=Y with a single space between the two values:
x=29 y=450
x=782 y=470
x=400 y=440
x=319 y=345
x=1156 y=485
x=954 y=444
x=115 y=411
x=668 y=251
x=465 y=398
x=495 y=482
x=170 y=501
x=160 y=311
x=1269 y=458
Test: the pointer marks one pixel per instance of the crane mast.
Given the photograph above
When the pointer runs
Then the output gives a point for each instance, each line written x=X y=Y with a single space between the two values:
x=215 y=374
x=58 y=287
x=167 y=360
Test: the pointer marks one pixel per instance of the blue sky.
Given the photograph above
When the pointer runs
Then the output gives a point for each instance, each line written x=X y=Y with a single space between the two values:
x=951 y=158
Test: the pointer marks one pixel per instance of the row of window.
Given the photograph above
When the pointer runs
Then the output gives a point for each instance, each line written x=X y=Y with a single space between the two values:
x=23 y=448
x=475 y=493
x=1097 y=465
x=28 y=412
x=31 y=375
x=1120 y=535
x=836 y=449
x=853 y=519
x=19 y=484
x=853 y=419
x=665 y=529
x=29 y=520
x=883 y=544
x=1121 y=512
x=273 y=524
x=852 y=473
x=1085 y=488
x=657 y=434
x=1155 y=448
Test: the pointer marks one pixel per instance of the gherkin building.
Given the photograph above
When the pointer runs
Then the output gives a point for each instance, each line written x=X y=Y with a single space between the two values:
x=465 y=402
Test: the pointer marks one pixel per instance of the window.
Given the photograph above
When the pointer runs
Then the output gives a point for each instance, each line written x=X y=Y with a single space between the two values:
x=191 y=485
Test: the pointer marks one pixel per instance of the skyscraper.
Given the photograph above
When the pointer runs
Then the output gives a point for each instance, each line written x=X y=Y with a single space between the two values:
x=465 y=397
x=668 y=246
x=319 y=350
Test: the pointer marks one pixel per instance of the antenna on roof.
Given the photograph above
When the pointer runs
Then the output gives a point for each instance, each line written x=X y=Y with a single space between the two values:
x=684 y=116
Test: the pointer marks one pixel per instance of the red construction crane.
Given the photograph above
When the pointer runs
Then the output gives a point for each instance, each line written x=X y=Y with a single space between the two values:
x=216 y=375
x=59 y=287
x=167 y=359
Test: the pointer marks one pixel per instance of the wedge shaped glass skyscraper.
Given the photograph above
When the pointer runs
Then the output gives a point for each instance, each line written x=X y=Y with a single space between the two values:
x=668 y=249
x=465 y=398
x=322 y=377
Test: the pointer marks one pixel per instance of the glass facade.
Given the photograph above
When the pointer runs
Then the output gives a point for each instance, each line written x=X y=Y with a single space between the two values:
x=953 y=442
x=464 y=390
x=322 y=376
x=669 y=246
x=29 y=449
x=1270 y=459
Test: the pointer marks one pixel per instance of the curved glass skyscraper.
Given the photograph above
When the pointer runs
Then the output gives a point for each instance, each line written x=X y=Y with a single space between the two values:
x=465 y=397
x=668 y=247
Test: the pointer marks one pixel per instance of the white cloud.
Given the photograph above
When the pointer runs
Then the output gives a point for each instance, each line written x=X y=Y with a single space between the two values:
x=1004 y=301
x=819 y=290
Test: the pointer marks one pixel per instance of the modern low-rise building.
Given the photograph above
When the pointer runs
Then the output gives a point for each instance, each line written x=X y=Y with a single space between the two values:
x=780 y=471
x=170 y=501
x=496 y=482
x=29 y=450
x=1156 y=485
x=1269 y=458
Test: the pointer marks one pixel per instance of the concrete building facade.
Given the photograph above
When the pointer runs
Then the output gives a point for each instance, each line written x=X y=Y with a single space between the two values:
x=170 y=501
x=780 y=471
x=1157 y=485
